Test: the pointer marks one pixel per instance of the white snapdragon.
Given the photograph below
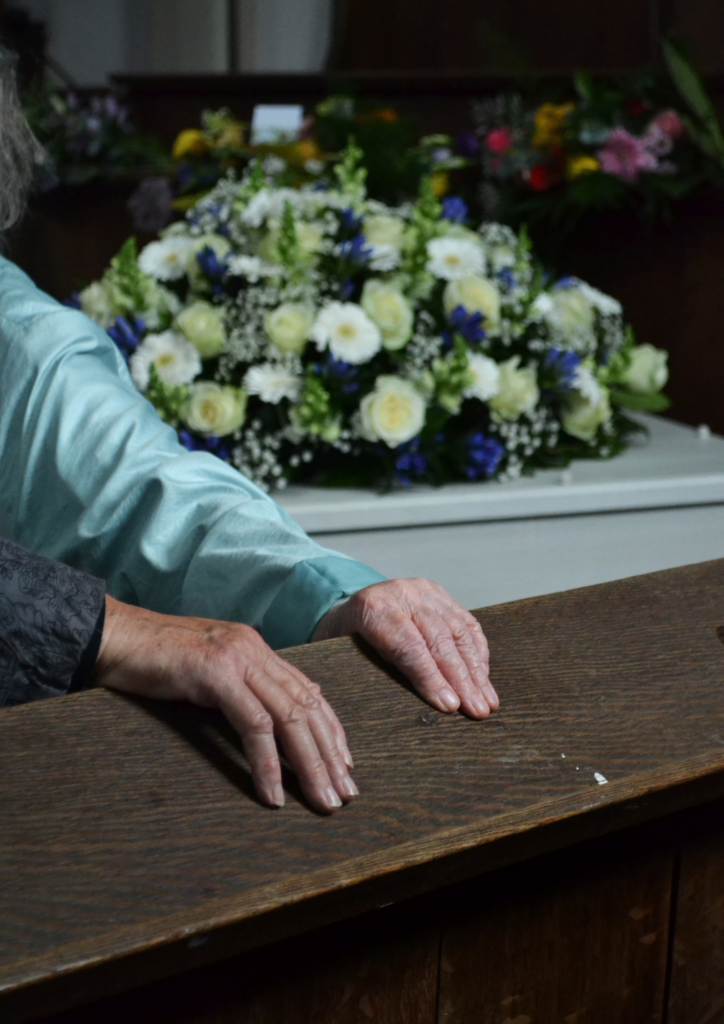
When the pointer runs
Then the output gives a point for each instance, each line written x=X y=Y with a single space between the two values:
x=394 y=412
x=98 y=302
x=518 y=391
x=348 y=332
x=174 y=358
x=454 y=258
x=485 y=376
x=385 y=304
x=169 y=259
x=272 y=382
x=289 y=326
x=215 y=410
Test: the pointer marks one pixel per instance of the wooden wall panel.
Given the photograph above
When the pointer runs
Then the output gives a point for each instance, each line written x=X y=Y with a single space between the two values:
x=591 y=951
x=697 y=981
x=492 y=35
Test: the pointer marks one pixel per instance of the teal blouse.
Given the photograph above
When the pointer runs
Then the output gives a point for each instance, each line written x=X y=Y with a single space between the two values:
x=91 y=476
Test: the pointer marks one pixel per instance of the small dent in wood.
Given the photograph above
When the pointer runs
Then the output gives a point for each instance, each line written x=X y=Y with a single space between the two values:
x=648 y=940
x=638 y=913
x=720 y=633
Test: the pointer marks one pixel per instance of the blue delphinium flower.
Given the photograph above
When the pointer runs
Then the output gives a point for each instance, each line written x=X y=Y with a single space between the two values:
x=484 y=455
x=455 y=209
x=563 y=366
x=409 y=462
x=507 y=278
x=211 y=444
x=351 y=220
x=214 y=268
x=355 y=250
x=128 y=333
x=348 y=289
x=469 y=325
x=341 y=371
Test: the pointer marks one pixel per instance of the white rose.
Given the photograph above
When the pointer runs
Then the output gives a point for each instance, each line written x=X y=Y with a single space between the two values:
x=289 y=326
x=97 y=302
x=380 y=229
x=389 y=309
x=648 y=370
x=203 y=325
x=572 y=310
x=476 y=295
x=214 y=409
x=485 y=374
x=581 y=418
x=394 y=412
x=518 y=392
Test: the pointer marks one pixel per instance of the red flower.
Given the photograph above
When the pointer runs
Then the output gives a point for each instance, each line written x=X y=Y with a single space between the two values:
x=500 y=140
x=543 y=177
x=636 y=106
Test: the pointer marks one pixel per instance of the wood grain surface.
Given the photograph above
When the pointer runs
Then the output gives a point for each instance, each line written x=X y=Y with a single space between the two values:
x=697 y=977
x=131 y=846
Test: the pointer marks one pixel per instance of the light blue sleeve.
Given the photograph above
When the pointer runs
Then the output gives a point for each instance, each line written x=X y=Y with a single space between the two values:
x=91 y=476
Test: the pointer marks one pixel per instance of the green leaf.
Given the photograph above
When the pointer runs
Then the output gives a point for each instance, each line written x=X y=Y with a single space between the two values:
x=694 y=93
x=636 y=402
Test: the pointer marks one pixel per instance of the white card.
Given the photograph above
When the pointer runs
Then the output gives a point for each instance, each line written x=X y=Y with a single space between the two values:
x=276 y=123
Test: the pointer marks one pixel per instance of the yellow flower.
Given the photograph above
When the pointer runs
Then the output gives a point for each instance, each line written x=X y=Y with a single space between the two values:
x=190 y=142
x=581 y=163
x=440 y=184
x=549 y=121
x=231 y=136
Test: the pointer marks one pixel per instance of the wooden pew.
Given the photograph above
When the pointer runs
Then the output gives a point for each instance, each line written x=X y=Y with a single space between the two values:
x=562 y=861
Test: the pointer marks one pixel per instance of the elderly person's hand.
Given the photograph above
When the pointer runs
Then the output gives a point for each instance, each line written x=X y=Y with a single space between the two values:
x=414 y=624
x=431 y=639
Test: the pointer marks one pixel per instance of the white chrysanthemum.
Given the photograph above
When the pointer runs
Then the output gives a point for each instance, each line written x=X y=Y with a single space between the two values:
x=272 y=382
x=453 y=258
x=348 y=332
x=260 y=206
x=169 y=259
x=384 y=258
x=486 y=377
x=394 y=412
x=584 y=382
x=175 y=359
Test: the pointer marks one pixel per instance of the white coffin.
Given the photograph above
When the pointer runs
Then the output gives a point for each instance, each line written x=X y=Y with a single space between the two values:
x=659 y=505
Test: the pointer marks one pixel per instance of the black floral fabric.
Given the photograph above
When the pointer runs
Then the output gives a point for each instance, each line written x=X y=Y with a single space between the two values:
x=51 y=623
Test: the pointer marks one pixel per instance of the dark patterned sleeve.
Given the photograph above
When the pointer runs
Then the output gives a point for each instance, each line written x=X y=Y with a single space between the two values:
x=51 y=623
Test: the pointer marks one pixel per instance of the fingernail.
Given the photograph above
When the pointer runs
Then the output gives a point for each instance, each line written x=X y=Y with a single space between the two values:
x=449 y=700
x=478 y=705
x=332 y=797
x=278 y=795
x=348 y=787
x=493 y=698
x=344 y=751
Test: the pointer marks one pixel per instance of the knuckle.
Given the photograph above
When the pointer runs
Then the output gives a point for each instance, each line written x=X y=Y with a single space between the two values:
x=260 y=723
x=293 y=714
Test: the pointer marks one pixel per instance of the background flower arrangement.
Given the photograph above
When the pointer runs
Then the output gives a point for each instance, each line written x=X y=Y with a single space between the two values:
x=317 y=334
x=642 y=144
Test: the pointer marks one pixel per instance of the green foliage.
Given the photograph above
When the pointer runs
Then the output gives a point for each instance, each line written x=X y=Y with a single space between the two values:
x=313 y=413
x=636 y=402
x=351 y=174
x=128 y=279
x=288 y=249
x=704 y=128
x=452 y=377
x=168 y=399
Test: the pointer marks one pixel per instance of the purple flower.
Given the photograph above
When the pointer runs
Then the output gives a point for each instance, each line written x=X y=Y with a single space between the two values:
x=351 y=221
x=127 y=332
x=455 y=209
x=625 y=156
x=211 y=444
x=484 y=456
x=469 y=325
x=563 y=366
x=409 y=463
x=150 y=205
x=356 y=250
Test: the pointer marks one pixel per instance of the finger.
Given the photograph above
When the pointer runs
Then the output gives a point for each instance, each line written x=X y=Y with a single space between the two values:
x=402 y=644
x=472 y=647
x=443 y=644
x=292 y=728
x=256 y=728
x=337 y=727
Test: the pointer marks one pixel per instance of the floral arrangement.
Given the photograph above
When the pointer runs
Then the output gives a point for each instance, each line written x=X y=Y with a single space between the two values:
x=317 y=334
x=642 y=144
x=89 y=137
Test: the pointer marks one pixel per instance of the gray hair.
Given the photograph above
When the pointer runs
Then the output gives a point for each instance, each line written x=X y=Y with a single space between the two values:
x=20 y=151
